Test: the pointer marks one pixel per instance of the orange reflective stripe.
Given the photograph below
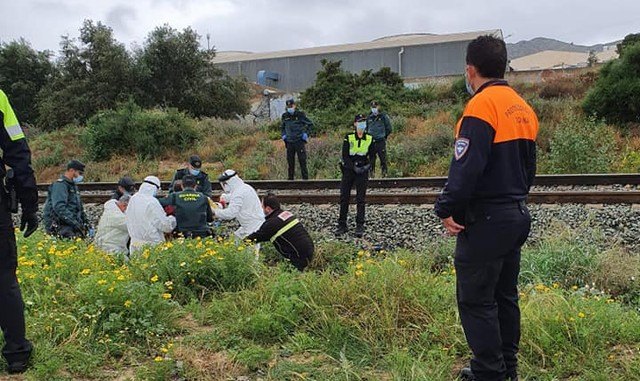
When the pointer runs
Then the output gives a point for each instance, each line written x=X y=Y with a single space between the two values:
x=504 y=110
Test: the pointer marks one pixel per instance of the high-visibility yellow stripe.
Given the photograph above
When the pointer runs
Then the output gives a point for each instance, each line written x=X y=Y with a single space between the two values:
x=9 y=118
x=284 y=229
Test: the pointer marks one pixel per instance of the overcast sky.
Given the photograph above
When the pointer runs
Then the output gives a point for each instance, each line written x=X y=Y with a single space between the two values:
x=266 y=25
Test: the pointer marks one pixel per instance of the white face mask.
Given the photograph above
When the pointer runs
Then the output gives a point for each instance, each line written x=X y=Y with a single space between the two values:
x=374 y=110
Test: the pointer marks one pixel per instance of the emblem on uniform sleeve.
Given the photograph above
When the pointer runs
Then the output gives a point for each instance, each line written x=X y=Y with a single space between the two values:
x=460 y=148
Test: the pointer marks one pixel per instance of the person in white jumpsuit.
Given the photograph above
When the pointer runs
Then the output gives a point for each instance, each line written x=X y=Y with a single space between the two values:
x=243 y=204
x=112 y=234
x=146 y=220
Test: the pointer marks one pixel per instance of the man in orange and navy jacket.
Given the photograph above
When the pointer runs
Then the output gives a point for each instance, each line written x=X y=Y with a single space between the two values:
x=483 y=203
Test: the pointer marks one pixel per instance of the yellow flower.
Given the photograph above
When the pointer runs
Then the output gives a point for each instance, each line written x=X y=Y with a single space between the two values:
x=182 y=264
x=102 y=281
x=581 y=315
x=574 y=288
x=359 y=272
x=359 y=266
x=540 y=287
x=154 y=278
x=128 y=303
x=164 y=350
x=85 y=272
x=166 y=296
x=556 y=285
x=120 y=277
x=402 y=262
x=158 y=359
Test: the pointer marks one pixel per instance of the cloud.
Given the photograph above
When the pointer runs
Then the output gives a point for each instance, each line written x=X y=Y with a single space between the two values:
x=265 y=25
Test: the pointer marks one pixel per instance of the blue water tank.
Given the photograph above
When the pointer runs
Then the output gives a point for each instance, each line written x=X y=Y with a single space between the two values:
x=264 y=77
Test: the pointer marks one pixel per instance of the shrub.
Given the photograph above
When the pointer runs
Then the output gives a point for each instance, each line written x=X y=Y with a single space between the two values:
x=144 y=133
x=582 y=146
x=559 y=87
x=616 y=94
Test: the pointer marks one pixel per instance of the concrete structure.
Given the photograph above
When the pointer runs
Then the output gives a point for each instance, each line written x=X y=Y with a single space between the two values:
x=411 y=56
x=552 y=59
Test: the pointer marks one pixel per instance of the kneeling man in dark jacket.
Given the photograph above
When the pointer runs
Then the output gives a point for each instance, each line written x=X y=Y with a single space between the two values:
x=286 y=232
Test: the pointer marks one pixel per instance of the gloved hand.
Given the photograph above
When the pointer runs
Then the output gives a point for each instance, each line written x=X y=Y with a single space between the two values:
x=362 y=170
x=30 y=222
x=284 y=137
x=305 y=137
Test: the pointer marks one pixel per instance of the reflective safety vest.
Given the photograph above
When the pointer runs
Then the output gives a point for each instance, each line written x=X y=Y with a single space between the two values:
x=9 y=119
x=359 y=147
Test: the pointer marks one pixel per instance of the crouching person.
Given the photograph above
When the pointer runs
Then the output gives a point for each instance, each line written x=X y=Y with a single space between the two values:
x=146 y=220
x=112 y=235
x=192 y=210
x=286 y=232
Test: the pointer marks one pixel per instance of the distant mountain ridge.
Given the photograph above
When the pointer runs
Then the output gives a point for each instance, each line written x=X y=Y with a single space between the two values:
x=539 y=44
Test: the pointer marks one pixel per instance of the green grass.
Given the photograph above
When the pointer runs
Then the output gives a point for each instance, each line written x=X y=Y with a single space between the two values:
x=207 y=310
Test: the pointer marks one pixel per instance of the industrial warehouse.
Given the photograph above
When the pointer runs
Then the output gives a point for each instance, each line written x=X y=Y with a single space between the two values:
x=411 y=55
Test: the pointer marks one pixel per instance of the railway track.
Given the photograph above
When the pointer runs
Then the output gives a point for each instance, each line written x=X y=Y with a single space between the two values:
x=297 y=192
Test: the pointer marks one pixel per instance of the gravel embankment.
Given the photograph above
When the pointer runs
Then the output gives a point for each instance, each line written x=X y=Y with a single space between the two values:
x=415 y=226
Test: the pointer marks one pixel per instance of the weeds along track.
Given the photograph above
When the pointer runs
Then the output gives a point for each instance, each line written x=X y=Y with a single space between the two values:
x=548 y=189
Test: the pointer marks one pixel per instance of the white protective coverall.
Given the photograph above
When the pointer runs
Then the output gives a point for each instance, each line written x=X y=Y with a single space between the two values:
x=244 y=206
x=112 y=234
x=146 y=220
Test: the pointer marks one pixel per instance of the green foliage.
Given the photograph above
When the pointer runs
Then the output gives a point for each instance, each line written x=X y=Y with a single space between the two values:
x=629 y=40
x=133 y=131
x=174 y=72
x=616 y=94
x=581 y=145
x=93 y=74
x=409 y=154
x=23 y=72
x=337 y=95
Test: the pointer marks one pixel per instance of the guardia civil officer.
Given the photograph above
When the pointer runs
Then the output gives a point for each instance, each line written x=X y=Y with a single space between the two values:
x=379 y=127
x=295 y=129
x=483 y=203
x=63 y=213
x=286 y=232
x=355 y=167
x=15 y=154
x=192 y=209
x=194 y=168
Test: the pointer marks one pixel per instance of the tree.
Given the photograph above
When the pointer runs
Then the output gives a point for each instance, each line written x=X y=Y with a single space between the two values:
x=95 y=73
x=173 y=71
x=616 y=94
x=23 y=73
x=592 y=59
x=629 y=40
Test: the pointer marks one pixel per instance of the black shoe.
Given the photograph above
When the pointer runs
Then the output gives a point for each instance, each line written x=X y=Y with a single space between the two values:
x=466 y=375
x=359 y=230
x=341 y=229
x=17 y=367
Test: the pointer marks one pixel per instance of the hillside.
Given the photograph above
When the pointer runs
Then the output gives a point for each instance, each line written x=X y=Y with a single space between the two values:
x=539 y=44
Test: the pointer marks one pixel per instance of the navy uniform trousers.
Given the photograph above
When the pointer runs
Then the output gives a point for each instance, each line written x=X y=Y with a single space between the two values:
x=487 y=263
x=17 y=348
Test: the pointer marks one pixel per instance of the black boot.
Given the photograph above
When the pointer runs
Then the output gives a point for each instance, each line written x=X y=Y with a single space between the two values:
x=341 y=229
x=359 y=230
x=466 y=375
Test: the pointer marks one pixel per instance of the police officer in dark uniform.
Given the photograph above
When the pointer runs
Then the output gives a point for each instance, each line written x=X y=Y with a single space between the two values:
x=15 y=154
x=295 y=129
x=63 y=213
x=126 y=185
x=483 y=203
x=286 y=232
x=192 y=210
x=355 y=166
x=379 y=127
x=194 y=169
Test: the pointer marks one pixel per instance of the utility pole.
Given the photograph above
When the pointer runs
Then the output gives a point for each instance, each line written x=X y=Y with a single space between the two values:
x=208 y=40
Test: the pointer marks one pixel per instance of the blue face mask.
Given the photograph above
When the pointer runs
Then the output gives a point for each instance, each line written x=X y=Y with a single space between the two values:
x=374 y=110
x=361 y=126
x=291 y=110
x=194 y=172
x=468 y=85
x=78 y=179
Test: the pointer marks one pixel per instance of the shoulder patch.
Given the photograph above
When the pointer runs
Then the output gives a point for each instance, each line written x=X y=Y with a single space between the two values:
x=285 y=215
x=460 y=148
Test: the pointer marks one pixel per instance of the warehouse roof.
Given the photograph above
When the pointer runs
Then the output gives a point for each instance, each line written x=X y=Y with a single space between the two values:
x=381 y=43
